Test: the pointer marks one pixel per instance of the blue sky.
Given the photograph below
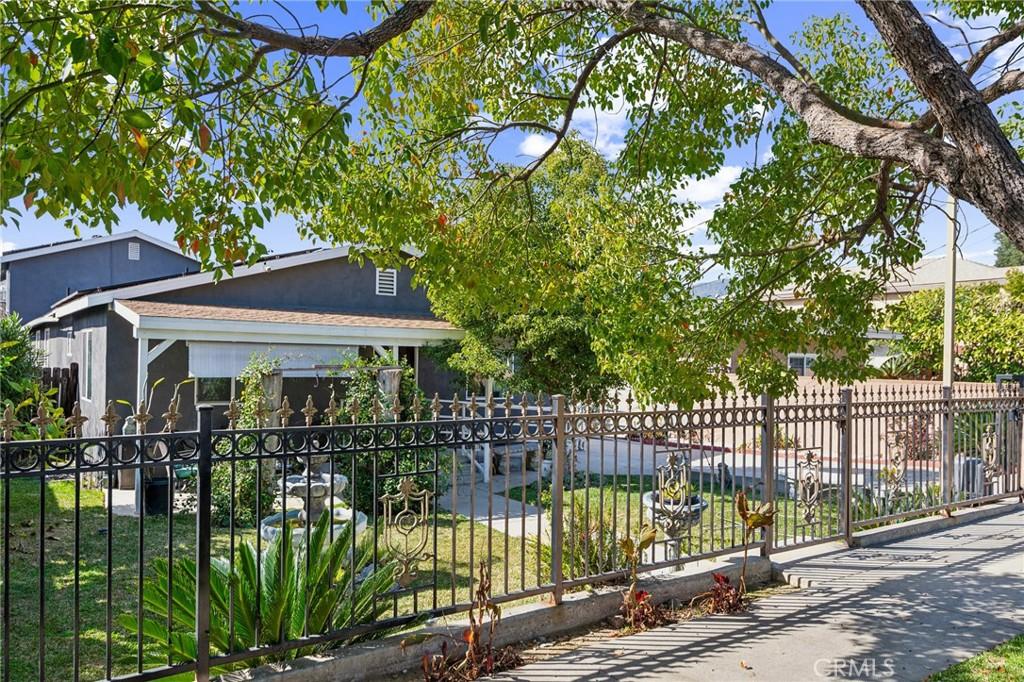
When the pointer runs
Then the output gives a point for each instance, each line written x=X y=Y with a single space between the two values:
x=604 y=128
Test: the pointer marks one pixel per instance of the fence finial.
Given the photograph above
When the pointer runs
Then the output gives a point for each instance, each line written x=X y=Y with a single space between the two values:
x=233 y=413
x=396 y=408
x=376 y=409
x=110 y=418
x=171 y=416
x=76 y=420
x=353 y=410
x=262 y=412
x=142 y=417
x=285 y=412
x=435 y=406
x=332 y=410
x=309 y=410
x=9 y=423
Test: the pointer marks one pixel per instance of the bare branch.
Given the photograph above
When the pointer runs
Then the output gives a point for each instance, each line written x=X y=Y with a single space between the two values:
x=355 y=45
x=994 y=43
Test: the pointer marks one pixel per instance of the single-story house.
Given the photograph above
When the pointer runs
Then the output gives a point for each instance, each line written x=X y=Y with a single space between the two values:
x=309 y=310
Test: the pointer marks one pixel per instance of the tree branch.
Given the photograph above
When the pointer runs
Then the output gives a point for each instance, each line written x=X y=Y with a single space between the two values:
x=574 y=97
x=929 y=157
x=355 y=45
x=972 y=65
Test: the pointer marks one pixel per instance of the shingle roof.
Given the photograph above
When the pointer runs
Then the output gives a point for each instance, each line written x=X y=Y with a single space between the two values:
x=231 y=314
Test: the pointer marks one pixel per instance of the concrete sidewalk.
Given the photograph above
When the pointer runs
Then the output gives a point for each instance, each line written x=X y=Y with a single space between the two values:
x=899 y=611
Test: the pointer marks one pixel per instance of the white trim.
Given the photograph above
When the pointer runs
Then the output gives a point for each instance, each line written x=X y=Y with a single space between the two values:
x=91 y=241
x=157 y=350
x=88 y=369
x=387 y=282
x=805 y=356
x=187 y=329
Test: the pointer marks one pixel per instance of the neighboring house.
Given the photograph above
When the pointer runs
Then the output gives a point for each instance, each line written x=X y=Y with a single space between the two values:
x=928 y=273
x=31 y=279
x=310 y=310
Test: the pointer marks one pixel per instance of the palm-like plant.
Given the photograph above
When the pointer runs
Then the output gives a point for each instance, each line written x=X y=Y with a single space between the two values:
x=291 y=600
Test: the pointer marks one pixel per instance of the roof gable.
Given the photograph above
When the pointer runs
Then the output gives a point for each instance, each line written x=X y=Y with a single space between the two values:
x=72 y=244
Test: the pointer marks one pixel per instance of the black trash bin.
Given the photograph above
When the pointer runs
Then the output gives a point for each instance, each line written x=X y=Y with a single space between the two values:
x=157 y=496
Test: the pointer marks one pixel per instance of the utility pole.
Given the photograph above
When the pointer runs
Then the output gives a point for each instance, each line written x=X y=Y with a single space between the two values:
x=948 y=311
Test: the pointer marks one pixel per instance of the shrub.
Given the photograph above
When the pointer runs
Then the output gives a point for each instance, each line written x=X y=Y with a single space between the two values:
x=363 y=389
x=292 y=600
x=589 y=546
x=913 y=436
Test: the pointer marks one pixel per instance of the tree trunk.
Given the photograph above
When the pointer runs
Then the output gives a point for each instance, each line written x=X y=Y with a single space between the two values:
x=993 y=175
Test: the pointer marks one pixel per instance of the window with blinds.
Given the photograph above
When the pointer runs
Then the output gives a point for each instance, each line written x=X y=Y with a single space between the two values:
x=387 y=282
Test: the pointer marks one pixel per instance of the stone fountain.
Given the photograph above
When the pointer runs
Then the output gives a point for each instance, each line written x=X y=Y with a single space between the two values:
x=324 y=496
x=673 y=506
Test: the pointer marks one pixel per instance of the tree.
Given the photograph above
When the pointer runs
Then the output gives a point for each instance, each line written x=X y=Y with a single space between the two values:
x=1007 y=255
x=217 y=119
x=544 y=345
x=989 y=329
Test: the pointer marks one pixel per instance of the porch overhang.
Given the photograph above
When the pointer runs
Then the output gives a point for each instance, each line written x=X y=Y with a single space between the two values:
x=190 y=322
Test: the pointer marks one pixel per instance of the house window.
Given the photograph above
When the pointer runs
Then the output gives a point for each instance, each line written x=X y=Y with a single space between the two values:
x=214 y=389
x=801 y=363
x=134 y=252
x=87 y=365
x=387 y=282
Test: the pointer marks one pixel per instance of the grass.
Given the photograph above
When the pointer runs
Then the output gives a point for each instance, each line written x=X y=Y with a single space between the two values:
x=620 y=499
x=511 y=571
x=1004 y=663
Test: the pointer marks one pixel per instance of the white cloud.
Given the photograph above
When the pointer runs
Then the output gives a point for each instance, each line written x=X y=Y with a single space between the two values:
x=711 y=189
x=606 y=129
x=535 y=144
x=698 y=221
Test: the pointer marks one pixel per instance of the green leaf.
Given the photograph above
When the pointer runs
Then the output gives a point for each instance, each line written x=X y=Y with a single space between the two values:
x=110 y=54
x=151 y=80
x=80 y=49
x=484 y=26
x=137 y=118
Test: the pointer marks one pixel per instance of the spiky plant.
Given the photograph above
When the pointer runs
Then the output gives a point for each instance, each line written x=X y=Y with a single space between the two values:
x=291 y=601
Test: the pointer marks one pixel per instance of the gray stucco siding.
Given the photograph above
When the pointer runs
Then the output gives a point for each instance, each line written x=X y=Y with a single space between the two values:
x=336 y=285
x=37 y=283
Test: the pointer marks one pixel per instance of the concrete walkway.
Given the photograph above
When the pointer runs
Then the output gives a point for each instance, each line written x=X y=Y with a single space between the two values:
x=894 y=612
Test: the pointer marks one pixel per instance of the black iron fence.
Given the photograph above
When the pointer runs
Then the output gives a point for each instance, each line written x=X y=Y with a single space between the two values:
x=150 y=555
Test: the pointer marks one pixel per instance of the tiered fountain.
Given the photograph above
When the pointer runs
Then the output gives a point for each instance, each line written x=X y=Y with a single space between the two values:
x=325 y=496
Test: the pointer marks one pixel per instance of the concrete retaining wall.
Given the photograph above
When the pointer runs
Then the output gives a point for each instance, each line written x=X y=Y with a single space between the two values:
x=374 y=660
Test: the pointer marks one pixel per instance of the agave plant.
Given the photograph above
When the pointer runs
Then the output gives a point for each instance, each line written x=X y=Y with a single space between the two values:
x=337 y=590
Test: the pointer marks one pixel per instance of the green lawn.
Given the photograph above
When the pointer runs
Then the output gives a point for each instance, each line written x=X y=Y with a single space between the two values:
x=58 y=576
x=1005 y=663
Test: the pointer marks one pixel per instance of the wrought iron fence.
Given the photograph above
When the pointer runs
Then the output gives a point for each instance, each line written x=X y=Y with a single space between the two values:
x=246 y=545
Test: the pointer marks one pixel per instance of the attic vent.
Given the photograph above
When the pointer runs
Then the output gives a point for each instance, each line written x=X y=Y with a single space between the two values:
x=133 y=251
x=387 y=282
